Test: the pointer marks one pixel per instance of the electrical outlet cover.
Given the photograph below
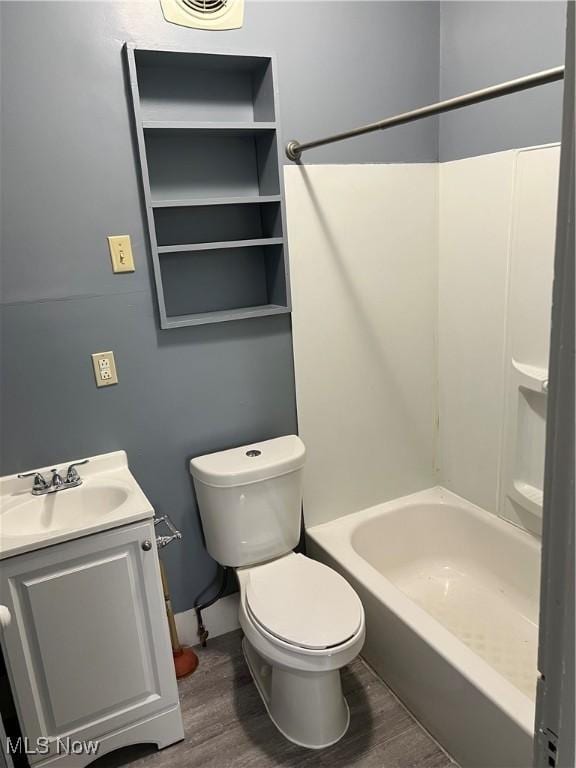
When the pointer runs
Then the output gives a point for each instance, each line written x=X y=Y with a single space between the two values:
x=104 y=369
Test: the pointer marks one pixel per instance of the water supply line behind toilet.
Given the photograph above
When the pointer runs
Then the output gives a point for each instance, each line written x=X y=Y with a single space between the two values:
x=199 y=607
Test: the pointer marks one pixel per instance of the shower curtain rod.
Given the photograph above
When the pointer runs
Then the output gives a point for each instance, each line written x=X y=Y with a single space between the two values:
x=294 y=149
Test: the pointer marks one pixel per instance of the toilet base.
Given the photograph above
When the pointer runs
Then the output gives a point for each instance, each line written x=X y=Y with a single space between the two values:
x=308 y=708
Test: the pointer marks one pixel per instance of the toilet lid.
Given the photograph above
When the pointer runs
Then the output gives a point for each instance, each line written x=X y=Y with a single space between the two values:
x=304 y=602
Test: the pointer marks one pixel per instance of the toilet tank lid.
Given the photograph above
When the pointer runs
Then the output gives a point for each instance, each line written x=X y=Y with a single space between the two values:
x=250 y=463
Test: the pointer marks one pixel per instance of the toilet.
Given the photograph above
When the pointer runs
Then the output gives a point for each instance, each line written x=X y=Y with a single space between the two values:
x=302 y=621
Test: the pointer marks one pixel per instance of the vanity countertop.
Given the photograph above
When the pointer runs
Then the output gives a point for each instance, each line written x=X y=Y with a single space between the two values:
x=108 y=497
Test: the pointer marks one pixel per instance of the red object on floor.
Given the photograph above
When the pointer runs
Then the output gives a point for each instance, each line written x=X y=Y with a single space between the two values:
x=185 y=662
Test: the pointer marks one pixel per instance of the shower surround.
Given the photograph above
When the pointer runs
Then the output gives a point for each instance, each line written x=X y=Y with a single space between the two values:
x=424 y=290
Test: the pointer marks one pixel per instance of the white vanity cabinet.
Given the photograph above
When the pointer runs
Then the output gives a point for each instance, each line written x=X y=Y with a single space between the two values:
x=87 y=648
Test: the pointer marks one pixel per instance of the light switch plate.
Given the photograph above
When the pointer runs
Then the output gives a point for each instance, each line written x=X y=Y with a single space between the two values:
x=104 y=369
x=121 y=253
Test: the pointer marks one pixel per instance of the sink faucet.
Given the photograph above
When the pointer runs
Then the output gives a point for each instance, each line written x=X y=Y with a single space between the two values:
x=57 y=480
x=41 y=486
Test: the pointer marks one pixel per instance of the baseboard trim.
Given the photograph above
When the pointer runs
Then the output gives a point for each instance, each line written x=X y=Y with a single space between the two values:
x=219 y=618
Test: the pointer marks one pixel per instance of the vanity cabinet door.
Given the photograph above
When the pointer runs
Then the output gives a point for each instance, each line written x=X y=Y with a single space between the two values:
x=88 y=649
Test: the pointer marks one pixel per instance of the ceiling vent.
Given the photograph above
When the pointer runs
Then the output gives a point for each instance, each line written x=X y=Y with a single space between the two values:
x=204 y=14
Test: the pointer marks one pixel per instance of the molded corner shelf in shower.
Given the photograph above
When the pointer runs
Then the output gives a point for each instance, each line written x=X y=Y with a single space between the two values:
x=526 y=462
x=531 y=376
x=212 y=177
x=527 y=496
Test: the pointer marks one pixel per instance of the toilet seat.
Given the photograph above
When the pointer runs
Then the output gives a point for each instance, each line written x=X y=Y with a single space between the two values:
x=303 y=603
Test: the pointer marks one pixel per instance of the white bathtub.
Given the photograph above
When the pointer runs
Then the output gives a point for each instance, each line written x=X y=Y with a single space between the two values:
x=451 y=599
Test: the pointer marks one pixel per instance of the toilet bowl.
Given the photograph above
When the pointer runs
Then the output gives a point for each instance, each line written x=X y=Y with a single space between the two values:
x=302 y=621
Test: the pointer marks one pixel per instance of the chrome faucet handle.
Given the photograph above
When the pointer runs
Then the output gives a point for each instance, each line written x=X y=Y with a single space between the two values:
x=39 y=484
x=72 y=475
x=57 y=479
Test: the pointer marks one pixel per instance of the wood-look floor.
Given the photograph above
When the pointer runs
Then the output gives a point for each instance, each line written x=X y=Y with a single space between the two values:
x=227 y=726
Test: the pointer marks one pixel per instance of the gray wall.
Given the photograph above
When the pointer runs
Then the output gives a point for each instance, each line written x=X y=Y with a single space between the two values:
x=69 y=178
x=483 y=43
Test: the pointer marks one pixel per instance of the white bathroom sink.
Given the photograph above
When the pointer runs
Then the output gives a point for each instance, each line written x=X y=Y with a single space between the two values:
x=108 y=497
x=71 y=508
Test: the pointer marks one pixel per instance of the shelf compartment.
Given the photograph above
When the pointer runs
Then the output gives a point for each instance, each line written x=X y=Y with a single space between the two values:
x=194 y=164
x=204 y=86
x=207 y=224
x=222 y=280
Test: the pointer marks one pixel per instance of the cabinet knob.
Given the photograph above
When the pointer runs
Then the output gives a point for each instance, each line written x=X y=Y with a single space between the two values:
x=146 y=545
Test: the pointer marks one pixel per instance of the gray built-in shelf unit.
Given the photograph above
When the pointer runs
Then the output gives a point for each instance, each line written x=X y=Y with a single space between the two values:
x=208 y=142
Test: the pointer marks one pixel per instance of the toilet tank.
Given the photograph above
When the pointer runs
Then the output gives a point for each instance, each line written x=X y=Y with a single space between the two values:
x=250 y=500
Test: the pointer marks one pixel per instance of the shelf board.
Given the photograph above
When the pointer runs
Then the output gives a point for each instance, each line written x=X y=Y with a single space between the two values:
x=531 y=376
x=187 y=202
x=181 y=321
x=194 y=125
x=527 y=496
x=227 y=244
